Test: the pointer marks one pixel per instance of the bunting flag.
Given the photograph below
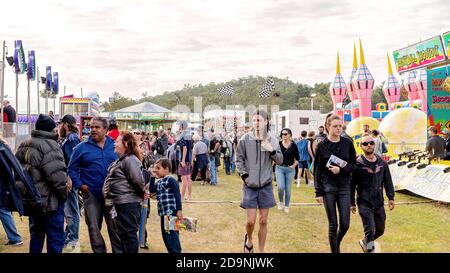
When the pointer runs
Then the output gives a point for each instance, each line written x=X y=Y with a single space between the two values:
x=20 y=66
x=226 y=90
x=267 y=88
x=55 y=83
x=31 y=71
x=48 y=79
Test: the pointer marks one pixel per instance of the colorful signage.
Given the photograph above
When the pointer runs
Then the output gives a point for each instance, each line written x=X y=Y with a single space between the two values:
x=446 y=41
x=55 y=83
x=20 y=65
x=438 y=99
x=48 y=80
x=419 y=55
x=31 y=72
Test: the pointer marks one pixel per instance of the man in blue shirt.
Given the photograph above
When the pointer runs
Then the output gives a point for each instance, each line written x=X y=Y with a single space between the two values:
x=68 y=133
x=88 y=169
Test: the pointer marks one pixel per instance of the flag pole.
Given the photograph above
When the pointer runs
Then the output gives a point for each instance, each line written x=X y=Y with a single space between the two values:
x=17 y=108
x=2 y=87
x=28 y=104
x=38 y=78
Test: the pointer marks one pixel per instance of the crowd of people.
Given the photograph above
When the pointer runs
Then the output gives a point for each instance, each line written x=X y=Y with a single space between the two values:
x=114 y=173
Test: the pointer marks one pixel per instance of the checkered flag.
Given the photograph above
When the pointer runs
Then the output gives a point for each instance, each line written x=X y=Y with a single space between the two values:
x=267 y=88
x=226 y=90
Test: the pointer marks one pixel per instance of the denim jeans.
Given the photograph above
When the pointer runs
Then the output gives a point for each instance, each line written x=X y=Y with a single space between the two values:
x=340 y=197
x=126 y=226
x=9 y=225
x=145 y=213
x=284 y=176
x=50 y=225
x=213 y=169
x=72 y=213
x=227 y=165
x=373 y=220
x=94 y=212
x=171 y=239
x=233 y=167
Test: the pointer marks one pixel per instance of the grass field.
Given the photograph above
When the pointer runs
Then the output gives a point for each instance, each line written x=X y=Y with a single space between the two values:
x=409 y=228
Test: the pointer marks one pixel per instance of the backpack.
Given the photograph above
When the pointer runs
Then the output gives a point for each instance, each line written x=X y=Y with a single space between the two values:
x=31 y=198
x=26 y=197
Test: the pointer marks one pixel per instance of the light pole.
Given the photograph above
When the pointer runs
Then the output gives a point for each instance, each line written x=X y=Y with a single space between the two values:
x=312 y=109
x=2 y=86
x=312 y=101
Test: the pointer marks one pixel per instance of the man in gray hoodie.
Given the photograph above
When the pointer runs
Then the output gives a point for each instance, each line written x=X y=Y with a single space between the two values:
x=256 y=152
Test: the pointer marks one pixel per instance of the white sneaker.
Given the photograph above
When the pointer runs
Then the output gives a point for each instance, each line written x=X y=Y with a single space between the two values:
x=298 y=182
x=286 y=209
x=72 y=248
x=363 y=245
x=280 y=206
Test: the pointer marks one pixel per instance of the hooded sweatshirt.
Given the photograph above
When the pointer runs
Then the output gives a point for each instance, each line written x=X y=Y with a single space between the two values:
x=255 y=165
x=368 y=181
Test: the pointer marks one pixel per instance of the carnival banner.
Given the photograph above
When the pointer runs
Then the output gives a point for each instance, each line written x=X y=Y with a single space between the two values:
x=31 y=71
x=422 y=54
x=48 y=81
x=430 y=182
x=20 y=65
x=438 y=99
x=55 y=83
x=446 y=40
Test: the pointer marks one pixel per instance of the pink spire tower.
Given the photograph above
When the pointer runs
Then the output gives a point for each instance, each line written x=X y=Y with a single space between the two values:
x=391 y=88
x=421 y=83
x=338 y=89
x=411 y=87
x=350 y=88
x=363 y=84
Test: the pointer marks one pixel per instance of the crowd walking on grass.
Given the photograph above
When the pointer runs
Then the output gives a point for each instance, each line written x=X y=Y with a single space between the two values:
x=112 y=176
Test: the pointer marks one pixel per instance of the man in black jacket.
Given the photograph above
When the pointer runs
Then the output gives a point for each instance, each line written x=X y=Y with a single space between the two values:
x=370 y=177
x=446 y=133
x=44 y=160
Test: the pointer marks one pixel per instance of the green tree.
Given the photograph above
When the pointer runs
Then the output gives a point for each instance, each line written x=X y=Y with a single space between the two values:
x=378 y=96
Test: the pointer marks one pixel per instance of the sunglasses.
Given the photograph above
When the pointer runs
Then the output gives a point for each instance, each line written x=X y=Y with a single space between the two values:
x=367 y=143
x=284 y=134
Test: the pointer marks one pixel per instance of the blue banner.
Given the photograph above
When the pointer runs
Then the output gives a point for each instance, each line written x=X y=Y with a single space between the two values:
x=31 y=72
x=20 y=65
x=55 y=83
x=48 y=81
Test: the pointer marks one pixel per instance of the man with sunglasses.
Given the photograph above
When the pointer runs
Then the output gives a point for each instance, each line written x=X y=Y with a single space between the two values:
x=368 y=180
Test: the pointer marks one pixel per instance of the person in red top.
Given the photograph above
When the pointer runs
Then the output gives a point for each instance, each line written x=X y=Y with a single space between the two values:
x=113 y=131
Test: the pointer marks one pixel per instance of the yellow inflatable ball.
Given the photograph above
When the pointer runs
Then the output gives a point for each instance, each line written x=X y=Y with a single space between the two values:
x=405 y=129
x=355 y=128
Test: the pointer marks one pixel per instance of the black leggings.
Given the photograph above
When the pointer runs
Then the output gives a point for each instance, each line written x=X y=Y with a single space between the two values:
x=339 y=196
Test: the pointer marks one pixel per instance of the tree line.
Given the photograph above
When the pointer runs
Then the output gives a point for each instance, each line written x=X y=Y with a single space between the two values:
x=287 y=94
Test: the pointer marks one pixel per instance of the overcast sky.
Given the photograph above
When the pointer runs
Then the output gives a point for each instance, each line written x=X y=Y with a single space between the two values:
x=155 y=46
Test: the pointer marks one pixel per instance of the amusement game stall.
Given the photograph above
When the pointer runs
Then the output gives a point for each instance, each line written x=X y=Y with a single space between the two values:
x=424 y=68
x=83 y=109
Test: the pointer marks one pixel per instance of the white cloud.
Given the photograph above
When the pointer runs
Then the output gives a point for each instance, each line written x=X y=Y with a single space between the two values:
x=136 y=46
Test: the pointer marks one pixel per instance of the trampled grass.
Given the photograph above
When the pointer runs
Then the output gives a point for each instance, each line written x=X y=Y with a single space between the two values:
x=409 y=228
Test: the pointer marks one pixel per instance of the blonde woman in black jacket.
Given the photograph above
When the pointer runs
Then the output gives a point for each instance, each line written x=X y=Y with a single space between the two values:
x=332 y=179
x=124 y=191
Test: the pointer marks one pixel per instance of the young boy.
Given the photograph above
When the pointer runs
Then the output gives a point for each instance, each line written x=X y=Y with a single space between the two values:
x=169 y=202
